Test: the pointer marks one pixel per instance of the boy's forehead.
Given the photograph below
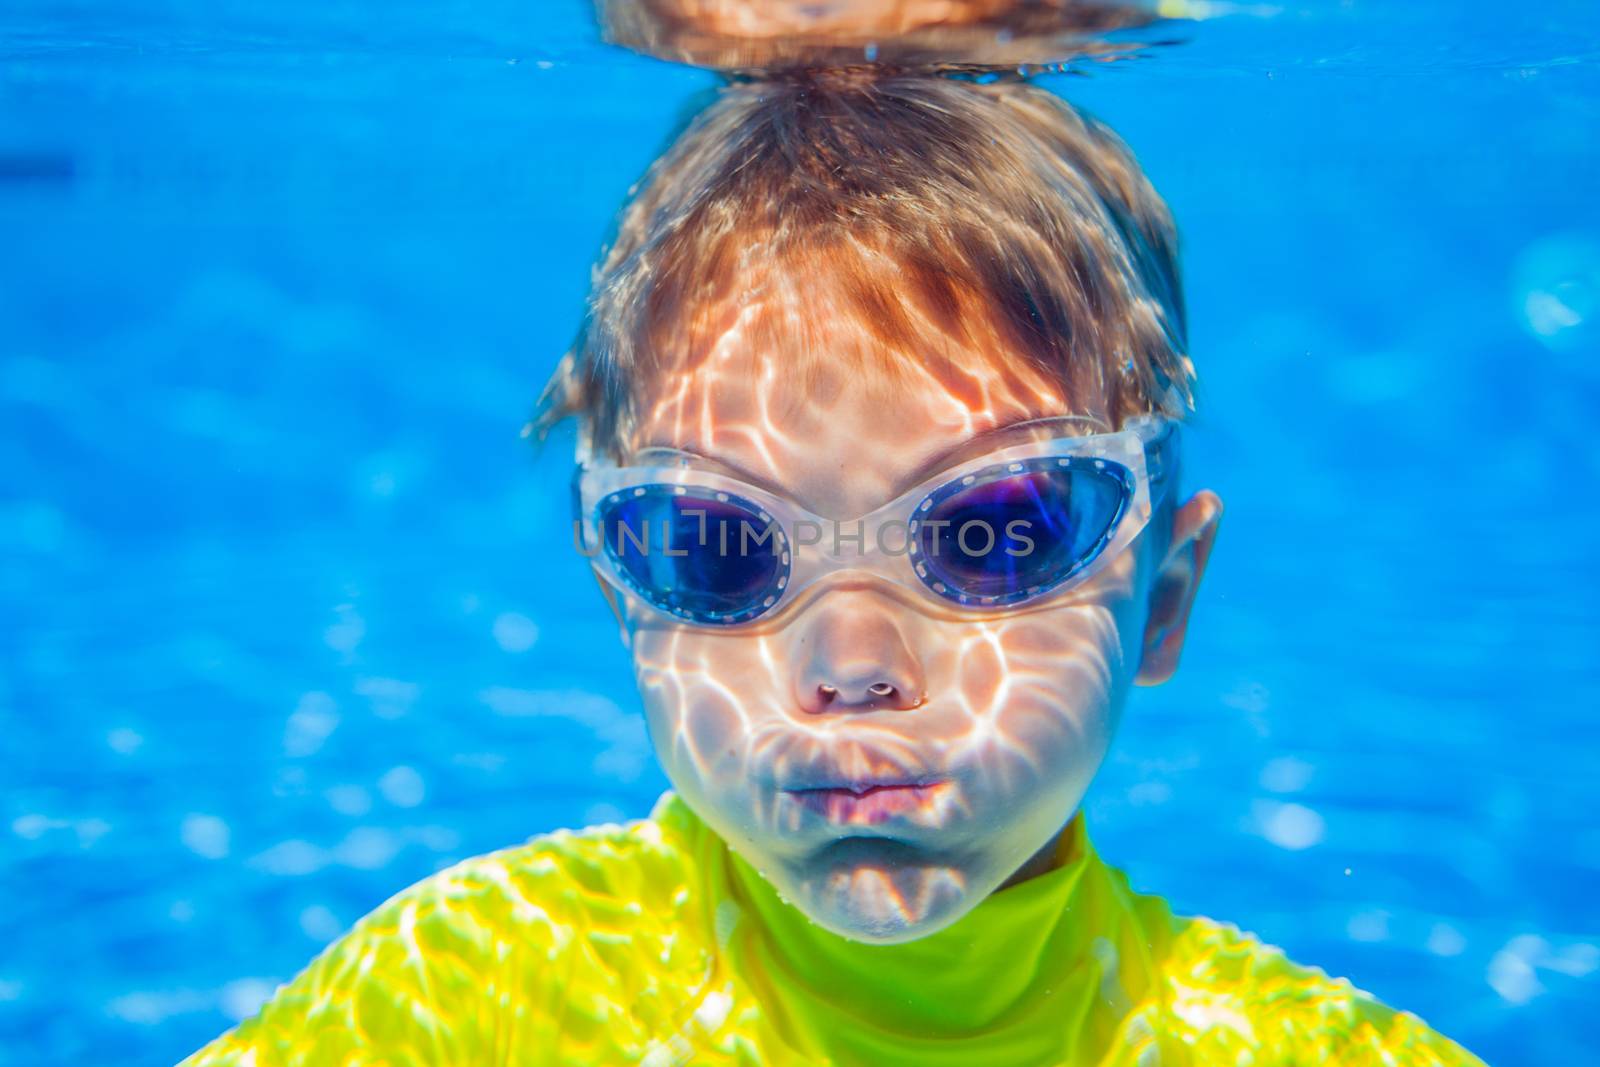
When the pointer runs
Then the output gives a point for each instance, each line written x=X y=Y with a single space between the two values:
x=841 y=435
x=824 y=372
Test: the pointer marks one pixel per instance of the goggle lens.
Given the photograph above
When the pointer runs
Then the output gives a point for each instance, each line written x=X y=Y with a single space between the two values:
x=1017 y=531
x=705 y=556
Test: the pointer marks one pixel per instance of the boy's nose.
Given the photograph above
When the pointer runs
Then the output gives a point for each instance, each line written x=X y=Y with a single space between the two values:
x=855 y=657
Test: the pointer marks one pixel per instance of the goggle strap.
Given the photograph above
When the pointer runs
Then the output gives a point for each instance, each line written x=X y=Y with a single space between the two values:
x=1158 y=454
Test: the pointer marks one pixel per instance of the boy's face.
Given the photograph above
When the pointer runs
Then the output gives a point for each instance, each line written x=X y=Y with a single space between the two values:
x=1004 y=719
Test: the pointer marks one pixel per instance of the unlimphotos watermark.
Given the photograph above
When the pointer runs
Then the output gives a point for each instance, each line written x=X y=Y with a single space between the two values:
x=677 y=537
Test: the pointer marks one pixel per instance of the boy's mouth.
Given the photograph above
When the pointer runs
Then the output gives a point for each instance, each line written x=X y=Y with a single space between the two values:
x=870 y=803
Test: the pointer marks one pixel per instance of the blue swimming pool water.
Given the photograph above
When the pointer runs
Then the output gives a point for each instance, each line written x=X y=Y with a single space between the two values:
x=288 y=619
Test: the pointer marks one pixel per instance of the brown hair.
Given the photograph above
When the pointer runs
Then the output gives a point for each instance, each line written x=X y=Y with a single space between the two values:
x=929 y=205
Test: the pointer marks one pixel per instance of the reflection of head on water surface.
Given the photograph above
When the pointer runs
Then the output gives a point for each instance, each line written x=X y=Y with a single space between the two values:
x=834 y=284
x=735 y=35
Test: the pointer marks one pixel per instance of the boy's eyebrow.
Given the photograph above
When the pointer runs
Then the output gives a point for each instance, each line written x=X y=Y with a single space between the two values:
x=739 y=471
x=928 y=466
x=980 y=441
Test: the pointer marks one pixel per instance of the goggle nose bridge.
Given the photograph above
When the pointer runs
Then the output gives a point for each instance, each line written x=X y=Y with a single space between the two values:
x=861 y=539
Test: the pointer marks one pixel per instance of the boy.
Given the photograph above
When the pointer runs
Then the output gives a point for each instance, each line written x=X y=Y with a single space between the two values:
x=878 y=395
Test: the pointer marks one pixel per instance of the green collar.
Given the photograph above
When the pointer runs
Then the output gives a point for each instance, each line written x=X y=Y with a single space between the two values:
x=1041 y=971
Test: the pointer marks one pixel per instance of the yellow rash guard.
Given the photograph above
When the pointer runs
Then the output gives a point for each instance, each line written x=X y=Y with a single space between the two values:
x=654 y=944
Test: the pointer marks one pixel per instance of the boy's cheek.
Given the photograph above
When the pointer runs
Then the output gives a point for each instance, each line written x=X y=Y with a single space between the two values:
x=709 y=696
x=1042 y=681
x=697 y=703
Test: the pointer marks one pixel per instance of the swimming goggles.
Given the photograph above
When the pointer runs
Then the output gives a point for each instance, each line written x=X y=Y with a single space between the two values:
x=989 y=534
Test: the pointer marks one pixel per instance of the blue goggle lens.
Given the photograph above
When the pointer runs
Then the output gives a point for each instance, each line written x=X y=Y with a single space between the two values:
x=1011 y=535
x=704 y=556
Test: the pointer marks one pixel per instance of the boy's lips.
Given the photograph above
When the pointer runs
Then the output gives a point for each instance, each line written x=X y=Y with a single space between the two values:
x=870 y=803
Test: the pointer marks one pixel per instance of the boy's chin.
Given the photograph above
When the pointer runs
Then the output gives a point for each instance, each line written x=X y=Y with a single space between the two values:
x=886 y=904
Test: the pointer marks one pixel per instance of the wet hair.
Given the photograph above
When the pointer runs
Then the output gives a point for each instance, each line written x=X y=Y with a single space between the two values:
x=948 y=218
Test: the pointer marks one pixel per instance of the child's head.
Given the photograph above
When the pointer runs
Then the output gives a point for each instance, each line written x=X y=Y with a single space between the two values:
x=832 y=288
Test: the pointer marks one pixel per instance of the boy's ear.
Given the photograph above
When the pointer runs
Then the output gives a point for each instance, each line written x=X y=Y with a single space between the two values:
x=614 y=602
x=1176 y=581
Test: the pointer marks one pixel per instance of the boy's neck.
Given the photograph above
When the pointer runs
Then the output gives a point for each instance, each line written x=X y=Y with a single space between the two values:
x=1048 y=858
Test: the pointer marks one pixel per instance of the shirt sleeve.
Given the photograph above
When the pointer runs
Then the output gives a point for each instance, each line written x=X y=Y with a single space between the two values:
x=460 y=968
x=1237 y=1000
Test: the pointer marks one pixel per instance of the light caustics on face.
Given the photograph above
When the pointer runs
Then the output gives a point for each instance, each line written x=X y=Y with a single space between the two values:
x=886 y=767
